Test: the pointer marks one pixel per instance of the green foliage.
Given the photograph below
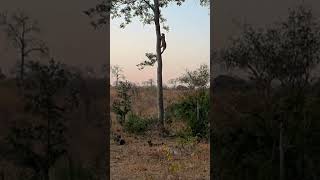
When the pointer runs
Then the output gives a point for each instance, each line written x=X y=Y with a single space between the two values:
x=142 y=9
x=194 y=110
x=122 y=104
x=136 y=124
x=186 y=137
x=152 y=59
x=198 y=78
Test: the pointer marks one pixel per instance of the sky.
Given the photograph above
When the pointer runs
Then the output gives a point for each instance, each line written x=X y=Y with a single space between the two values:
x=73 y=41
x=188 y=43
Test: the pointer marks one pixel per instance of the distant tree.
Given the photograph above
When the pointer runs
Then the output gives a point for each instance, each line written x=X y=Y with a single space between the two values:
x=173 y=82
x=117 y=71
x=151 y=82
x=148 y=83
x=198 y=78
x=21 y=31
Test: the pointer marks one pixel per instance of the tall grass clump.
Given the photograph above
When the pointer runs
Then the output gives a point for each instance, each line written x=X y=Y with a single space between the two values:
x=135 y=124
x=193 y=109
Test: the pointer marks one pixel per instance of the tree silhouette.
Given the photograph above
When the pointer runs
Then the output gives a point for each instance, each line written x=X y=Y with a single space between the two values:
x=117 y=71
x=41 y=140
x=287 y=53
x=21 y=31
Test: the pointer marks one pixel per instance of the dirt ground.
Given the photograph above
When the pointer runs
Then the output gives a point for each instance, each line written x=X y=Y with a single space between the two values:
x=137 y=160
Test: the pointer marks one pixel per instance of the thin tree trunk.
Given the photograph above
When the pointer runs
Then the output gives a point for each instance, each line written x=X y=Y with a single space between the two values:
x=47 y=175
x=49 y=144
x=22 y=53
x=2 y=175
x=281 y=152
x=198 y=112
x=71 y=168
x=117 y=80
x=159 y=68
x=22 y=67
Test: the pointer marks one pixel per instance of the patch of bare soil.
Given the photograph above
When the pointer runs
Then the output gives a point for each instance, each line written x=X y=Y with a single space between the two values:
x=170 y=160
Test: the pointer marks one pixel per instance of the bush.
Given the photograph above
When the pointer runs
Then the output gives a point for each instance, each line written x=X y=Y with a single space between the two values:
x=122 y=104
x=186 y=137
x=135 y=124
x=194 y=110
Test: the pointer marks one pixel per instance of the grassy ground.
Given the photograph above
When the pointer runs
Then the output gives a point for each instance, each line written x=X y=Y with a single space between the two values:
x=175 y=159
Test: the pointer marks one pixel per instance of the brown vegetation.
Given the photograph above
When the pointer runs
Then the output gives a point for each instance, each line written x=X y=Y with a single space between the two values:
x=172 y=160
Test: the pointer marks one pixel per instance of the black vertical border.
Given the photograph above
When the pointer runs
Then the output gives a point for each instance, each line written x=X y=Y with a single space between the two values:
x=211 y=89
x=108 y=118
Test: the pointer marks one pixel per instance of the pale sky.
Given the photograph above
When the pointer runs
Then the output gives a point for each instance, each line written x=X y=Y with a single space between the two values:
x=188 y=43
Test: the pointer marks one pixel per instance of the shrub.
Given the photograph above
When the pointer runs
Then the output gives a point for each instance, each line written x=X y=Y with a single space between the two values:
x=122 y=104
x=186 y=138
x=194 y=110
x=136 y=124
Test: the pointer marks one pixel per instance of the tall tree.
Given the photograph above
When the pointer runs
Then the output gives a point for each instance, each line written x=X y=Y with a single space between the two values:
x=117 y=71
x=21 y=31
x=149 y=13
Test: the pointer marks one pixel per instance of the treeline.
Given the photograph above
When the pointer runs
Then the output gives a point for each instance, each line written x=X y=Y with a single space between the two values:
x=192 y=108
x=190 y=79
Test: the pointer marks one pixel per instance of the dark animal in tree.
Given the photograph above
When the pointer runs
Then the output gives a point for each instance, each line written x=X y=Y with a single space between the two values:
x=163 y=42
